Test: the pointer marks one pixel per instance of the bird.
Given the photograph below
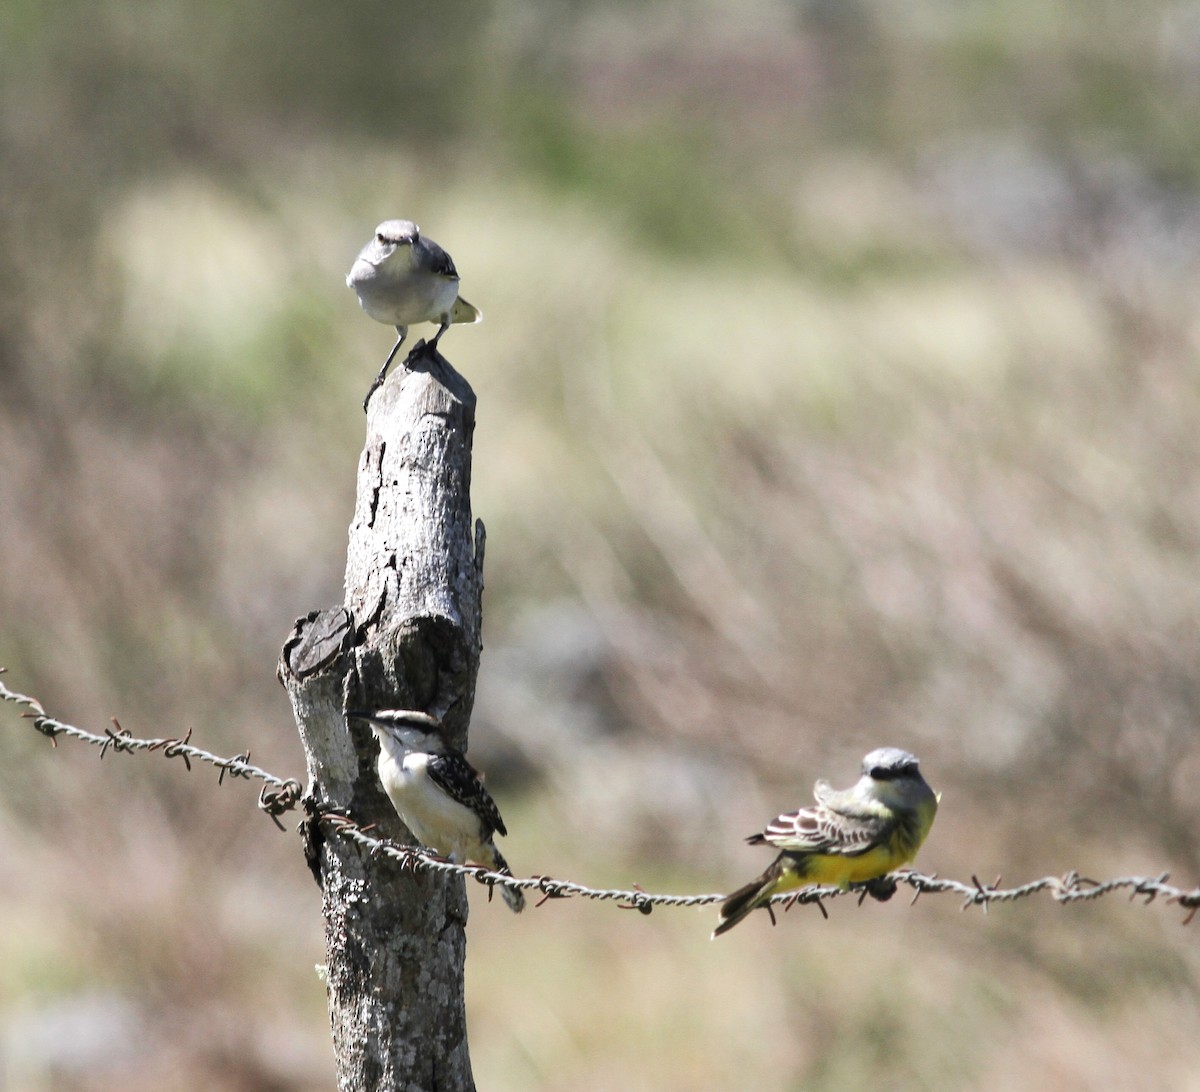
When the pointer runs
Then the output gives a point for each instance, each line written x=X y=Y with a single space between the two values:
x=850 y=835
x=438 y=794
x=400 y=278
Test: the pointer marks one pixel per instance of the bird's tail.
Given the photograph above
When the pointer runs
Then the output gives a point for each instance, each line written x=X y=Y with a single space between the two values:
x=514 y=896
x=745 y=899
x=465 y=312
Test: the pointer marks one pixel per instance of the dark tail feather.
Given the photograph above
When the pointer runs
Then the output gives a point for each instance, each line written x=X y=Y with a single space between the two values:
x=514 y=896
x=746 y=899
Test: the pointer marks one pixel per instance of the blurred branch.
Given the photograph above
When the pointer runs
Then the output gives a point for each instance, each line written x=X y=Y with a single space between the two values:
x=1069 y=888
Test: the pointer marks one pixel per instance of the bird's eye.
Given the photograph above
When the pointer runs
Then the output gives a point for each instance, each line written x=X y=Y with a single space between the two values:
x=881 y=773
x=381 y=238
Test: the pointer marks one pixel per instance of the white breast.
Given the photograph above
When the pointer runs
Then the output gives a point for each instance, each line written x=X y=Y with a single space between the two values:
x=397 y=296
x=435 y=820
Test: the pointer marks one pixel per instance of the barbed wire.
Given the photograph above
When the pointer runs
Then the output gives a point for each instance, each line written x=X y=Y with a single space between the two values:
x=1071 y=887
x=280 y=795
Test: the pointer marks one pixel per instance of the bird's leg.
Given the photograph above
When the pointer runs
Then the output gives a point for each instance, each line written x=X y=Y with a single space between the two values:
x=403 y=332
x=441 y=330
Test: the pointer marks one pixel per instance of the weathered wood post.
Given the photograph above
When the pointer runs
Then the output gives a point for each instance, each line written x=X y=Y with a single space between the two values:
x=407 y=637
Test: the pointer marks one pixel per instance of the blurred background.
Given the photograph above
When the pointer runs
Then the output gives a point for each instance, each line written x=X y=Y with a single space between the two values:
x=838 y=388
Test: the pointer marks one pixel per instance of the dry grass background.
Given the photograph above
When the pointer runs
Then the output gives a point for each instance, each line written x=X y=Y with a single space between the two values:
x=838 y=387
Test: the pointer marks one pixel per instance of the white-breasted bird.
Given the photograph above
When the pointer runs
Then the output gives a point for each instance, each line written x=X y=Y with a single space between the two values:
x=849 y=836
x=438 y=794
x=401 y=278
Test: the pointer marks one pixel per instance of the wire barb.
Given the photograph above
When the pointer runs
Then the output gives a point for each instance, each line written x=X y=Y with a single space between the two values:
x=280 y=795
x=276 y=801
x=120 y=740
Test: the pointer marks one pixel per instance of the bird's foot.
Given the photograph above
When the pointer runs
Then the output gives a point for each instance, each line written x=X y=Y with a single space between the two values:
x=378 y=382
x=881 y=888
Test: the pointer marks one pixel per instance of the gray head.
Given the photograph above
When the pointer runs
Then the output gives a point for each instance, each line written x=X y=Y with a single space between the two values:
x=390 y=236
x=889 y=763
x=395 y=232
x=893 y=776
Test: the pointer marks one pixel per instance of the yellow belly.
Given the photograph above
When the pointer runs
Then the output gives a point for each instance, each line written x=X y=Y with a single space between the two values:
x=837 y=871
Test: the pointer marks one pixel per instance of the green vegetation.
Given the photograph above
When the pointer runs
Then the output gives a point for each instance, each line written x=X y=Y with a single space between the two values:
x=837 y=388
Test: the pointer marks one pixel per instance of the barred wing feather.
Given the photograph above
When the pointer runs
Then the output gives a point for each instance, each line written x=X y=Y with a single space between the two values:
x=822 y=830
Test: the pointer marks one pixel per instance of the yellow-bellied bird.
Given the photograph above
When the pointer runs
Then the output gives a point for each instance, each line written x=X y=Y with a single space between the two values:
x=849 y=836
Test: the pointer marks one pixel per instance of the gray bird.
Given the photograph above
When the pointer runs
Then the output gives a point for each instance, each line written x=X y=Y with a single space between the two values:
x=401 y=278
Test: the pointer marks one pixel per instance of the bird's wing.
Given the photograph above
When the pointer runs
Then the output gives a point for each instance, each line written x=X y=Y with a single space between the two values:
x=455 y=776
x=824 y=829
x=439 y=261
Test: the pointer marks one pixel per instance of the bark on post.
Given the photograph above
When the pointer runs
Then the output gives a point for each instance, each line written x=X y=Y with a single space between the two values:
x=408 y=637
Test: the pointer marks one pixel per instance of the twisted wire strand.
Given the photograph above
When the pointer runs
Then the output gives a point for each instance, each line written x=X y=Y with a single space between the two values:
x=280 y=795
x=1065 y=889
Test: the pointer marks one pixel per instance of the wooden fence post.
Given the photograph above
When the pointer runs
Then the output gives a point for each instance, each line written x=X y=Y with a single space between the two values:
x=407 y=637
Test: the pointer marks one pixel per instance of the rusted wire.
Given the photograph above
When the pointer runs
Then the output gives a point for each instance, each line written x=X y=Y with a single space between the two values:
x=1065 y=889
x=280 y=795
